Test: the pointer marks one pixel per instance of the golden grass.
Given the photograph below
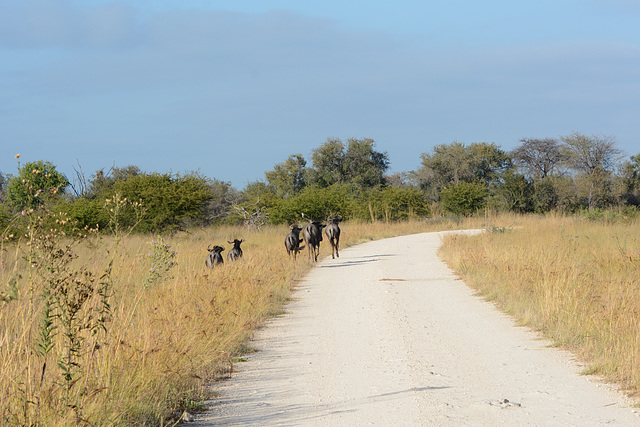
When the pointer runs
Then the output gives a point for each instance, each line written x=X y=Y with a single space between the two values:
x=576 y=281
x=171 y=333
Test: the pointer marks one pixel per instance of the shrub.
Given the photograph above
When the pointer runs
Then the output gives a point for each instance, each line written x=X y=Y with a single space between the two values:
x=391 y=204
x=315 y=203
x=170 y=202
x=84 y=212
x=36 y=183
x=464 y=198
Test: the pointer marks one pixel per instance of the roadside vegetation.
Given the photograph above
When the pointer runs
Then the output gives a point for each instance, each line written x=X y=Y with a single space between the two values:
x=108 y=315
x=575 y=279
x=130 y=329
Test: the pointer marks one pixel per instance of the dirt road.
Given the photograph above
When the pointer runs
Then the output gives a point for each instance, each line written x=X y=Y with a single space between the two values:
x=386 y=335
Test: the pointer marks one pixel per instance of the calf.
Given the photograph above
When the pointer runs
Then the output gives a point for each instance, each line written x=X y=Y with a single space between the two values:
x=235 y=252
x=333 y=234
x=312 y=234
x=292 y=241
x=215 y=256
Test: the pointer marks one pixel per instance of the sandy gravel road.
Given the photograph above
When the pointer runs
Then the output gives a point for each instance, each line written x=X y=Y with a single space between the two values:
x=386 y=335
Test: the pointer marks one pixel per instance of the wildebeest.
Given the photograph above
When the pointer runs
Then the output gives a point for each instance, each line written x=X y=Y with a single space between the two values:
x=333 y=234
x=215 y=256
x=292 y=241
x=312 y=234
x=235 y=252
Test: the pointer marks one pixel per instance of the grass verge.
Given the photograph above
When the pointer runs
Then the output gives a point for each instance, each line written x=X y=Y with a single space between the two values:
x=574 y=280
x=130 y=330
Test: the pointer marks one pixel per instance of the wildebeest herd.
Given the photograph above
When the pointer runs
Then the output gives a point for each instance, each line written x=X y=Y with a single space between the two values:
x=311 y=234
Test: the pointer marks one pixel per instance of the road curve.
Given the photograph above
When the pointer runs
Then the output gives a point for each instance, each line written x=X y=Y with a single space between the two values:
x=387 y=335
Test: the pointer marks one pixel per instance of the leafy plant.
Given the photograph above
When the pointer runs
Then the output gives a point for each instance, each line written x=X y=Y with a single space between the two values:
x=36 y=183
x=464 y=198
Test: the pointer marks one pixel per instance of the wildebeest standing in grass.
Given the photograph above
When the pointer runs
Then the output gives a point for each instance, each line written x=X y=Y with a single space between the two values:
x=312 y=234
x=292 y=241
x=333 y=234
x=215 y=256
x=235 y=252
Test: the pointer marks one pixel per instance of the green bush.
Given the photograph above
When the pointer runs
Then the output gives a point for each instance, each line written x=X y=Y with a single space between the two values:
x=315 y=202
x=37 y=183
x=83 y=212
x=515 y=194
x=377 y=204
x=391 y=204
x=169 y=202
x=464 y=198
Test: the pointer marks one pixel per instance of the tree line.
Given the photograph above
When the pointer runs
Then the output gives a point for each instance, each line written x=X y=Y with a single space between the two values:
x=571 y=173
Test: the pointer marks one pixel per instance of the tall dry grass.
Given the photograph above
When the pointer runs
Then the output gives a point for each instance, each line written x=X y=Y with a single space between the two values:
x=576 y=281
x=129 y=330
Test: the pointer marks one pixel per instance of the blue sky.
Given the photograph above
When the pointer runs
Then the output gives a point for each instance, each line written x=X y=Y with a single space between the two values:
x=230 y=88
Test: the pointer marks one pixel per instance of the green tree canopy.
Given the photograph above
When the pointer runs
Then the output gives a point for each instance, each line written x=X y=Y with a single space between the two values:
x=316 y=203
x=388 y=203
x=36 y=183
x=171 y=202
x=102 y=182
x=358 y=163
x=451 y=164
x=363 y=166
x=327 y=163
x=288 y=178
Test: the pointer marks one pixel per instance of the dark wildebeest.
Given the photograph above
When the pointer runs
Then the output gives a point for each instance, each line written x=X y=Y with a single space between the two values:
x=235 y=252
x=312 y=234
x=333 y=234
x=215 y=256
x=292 y=241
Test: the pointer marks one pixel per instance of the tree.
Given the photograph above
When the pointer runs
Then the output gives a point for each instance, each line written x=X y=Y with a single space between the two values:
x=363 y=165
x=223 y=195
x=630 y=180
x=489 y=162
x=515 y=193
x=554 y=193
x=593 y=159
x=36 y=183
x=538 y=158
x=288 y=178
x=449 y=164
x=3 y=188
x=590 y=154
x=455 y=163
x=358 y=163
x=327 y=163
